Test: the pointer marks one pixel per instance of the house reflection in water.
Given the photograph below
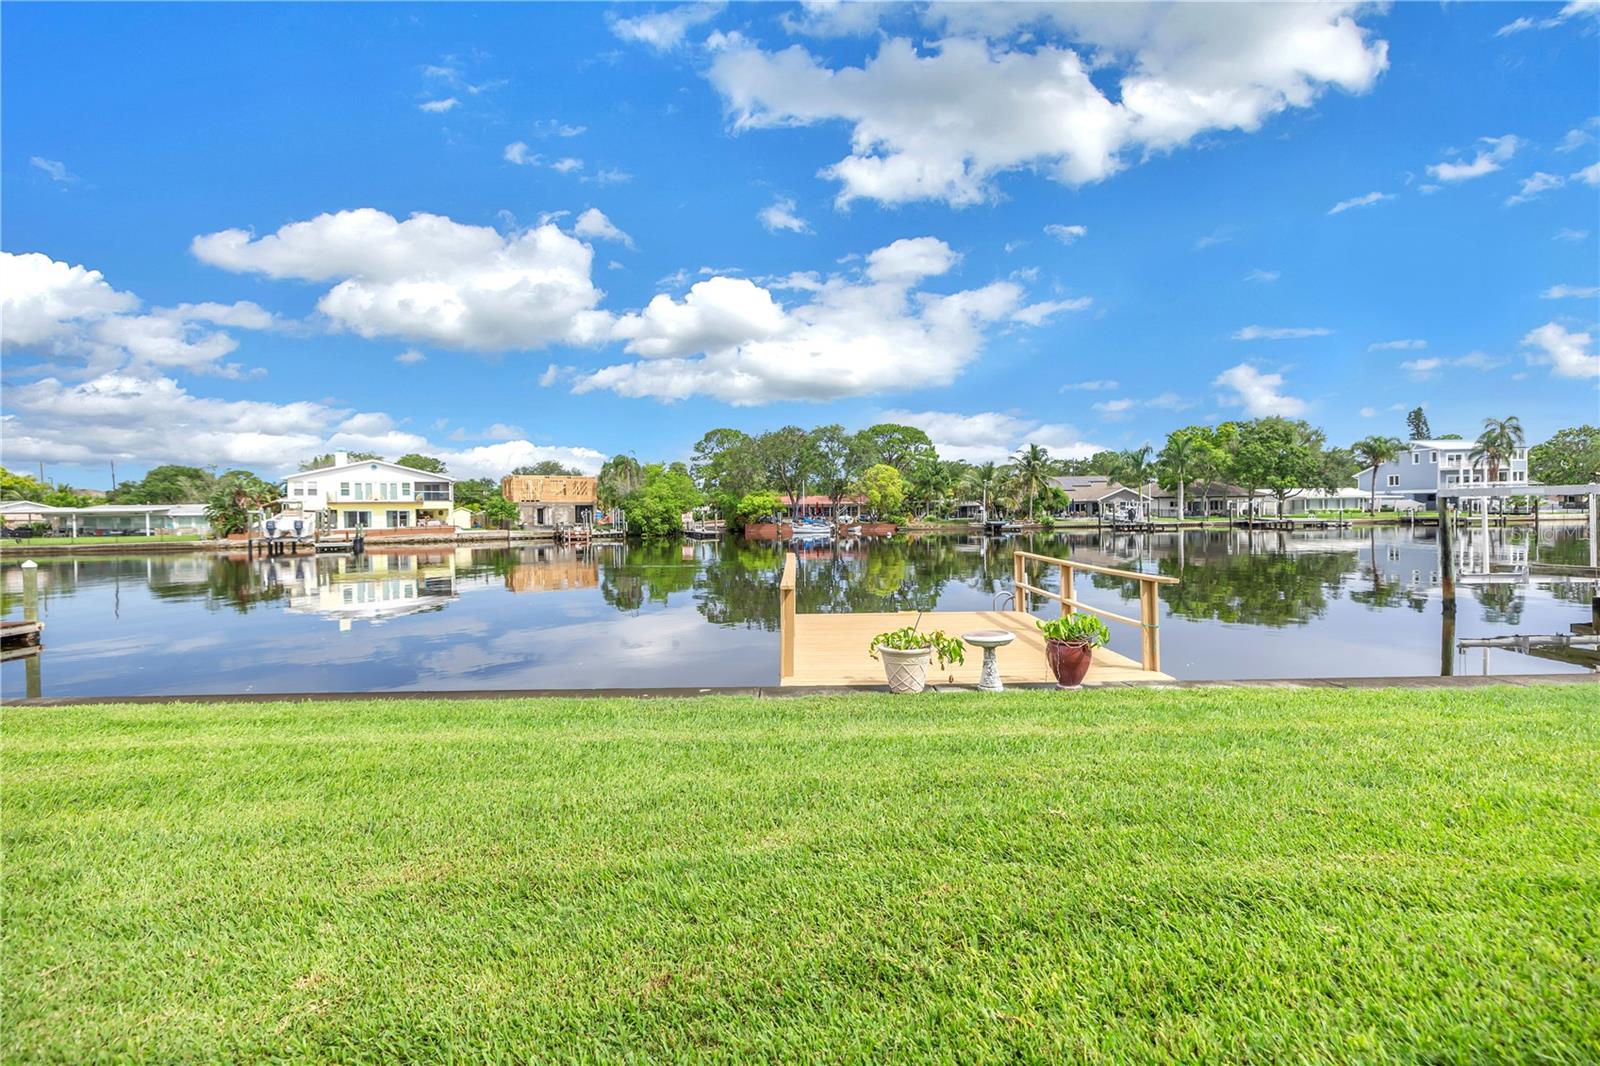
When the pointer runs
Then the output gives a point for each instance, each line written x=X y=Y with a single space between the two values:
x=372 y=587
x=553 y=569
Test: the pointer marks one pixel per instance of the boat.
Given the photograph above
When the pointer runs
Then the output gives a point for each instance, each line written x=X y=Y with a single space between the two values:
x=810 y=531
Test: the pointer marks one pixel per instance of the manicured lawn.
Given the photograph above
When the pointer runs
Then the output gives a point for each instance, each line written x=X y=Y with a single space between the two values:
x=1121 y=876
x=10 y=545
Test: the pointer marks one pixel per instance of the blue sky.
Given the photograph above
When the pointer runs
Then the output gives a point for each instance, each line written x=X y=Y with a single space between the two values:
x=243 y=235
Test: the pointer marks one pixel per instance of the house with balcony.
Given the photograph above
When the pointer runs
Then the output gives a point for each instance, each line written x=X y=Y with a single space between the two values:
x=1426 y=466
x=369 y=494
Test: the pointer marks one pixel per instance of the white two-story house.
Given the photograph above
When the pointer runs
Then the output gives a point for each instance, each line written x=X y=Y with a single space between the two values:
x=370 y=494
x=1426 y=466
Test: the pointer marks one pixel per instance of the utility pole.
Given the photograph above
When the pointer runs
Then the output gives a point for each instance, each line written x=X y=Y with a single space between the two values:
x=113 y=475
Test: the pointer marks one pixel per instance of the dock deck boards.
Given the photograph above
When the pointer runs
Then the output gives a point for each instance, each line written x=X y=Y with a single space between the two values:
x=831 y=649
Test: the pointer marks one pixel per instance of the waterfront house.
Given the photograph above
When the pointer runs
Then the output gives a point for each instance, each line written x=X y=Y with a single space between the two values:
x=110 y=519
x=1348 y=498
x=1218 y=500
x=1096 y=494
x=1426 y=466
x=822 y=508
x=369 y=494
x=551 y=500
x=969 y=510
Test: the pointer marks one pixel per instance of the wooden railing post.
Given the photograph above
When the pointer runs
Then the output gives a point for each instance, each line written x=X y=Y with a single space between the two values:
x=1150 y=615
x=786 y=618
x=1067 y=588
x=1019 y=578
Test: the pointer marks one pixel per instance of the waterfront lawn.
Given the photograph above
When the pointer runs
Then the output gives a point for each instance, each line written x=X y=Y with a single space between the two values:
x=18 y=545
x=1114 y=876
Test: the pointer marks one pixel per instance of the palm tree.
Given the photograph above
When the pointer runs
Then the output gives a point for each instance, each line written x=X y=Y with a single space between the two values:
x=1500 y=439
x=1179 y=460
x=1032 y=468
x=985 y=479
x=1133 y=469
x=1374 y=452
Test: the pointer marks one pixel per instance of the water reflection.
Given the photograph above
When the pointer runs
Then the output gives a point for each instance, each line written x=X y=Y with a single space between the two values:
x=1362 y=601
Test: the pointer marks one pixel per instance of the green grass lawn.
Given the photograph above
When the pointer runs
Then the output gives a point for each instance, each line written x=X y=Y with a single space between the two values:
x=11 y=545
x=1118 y=876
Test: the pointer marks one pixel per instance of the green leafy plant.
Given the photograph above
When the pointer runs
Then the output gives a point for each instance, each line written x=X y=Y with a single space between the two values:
x=1076 y=628
x=945 y=648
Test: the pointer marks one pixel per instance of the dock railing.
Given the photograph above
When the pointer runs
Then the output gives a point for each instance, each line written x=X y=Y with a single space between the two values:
x=1148 y=622
x=786 y=617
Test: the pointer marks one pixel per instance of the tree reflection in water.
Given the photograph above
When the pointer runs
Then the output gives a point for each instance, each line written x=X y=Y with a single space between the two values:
x=1265 y=579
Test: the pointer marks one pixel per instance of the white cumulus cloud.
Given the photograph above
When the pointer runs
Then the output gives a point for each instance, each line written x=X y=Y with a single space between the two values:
x=1258 y=393
x=72 y=312
x=780 y=216
x=941 y=121
x=429 y=278
x=731 y=339
x=664 y=30
x=1568 y=354
x=594 y=224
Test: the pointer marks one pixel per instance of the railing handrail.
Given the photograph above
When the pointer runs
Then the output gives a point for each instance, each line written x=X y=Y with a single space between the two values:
x=786 y=616
x=1148 y=623
x=1132 y=575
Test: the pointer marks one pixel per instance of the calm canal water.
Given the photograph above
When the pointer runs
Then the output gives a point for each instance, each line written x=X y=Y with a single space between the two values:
x=1336 y=603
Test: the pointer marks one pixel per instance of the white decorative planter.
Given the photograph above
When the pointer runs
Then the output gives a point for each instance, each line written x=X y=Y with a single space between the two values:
x=906 y=671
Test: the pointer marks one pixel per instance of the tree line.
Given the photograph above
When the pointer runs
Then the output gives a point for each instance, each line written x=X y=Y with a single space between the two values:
x=896 y=470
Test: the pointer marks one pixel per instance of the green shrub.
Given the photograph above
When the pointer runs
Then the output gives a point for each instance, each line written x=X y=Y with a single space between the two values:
x=1076 y=628
x=945 y=648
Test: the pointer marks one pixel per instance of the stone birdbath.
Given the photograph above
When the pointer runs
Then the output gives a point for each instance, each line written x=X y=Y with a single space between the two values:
x=989 y=640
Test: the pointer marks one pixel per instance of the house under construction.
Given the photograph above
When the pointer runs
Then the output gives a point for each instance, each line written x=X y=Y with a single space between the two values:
x=550 y=500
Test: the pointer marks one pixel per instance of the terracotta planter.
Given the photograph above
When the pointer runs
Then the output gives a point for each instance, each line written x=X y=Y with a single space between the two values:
x=906 y=671
x=1069 y=662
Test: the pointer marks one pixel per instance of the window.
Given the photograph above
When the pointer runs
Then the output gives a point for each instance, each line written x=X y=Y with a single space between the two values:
x=397 y=519
x=1433 y=457
x=311 y=488
x=405 y=490
x=1416 y=458
x=344 y=488
x=1394 y=481
x=299 y=489
x=352 y=519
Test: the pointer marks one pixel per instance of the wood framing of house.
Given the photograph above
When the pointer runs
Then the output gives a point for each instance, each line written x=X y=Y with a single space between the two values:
x=551 y=499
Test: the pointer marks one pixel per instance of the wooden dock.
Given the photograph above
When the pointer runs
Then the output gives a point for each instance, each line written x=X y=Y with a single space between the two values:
x=831 y=649
x=19 y=637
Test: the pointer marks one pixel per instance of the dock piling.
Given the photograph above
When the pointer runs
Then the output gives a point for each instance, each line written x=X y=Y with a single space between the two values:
x=33 y=681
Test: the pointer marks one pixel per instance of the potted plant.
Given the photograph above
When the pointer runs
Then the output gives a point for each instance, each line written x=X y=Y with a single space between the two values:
x=905 y=654
x=1069 y=643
